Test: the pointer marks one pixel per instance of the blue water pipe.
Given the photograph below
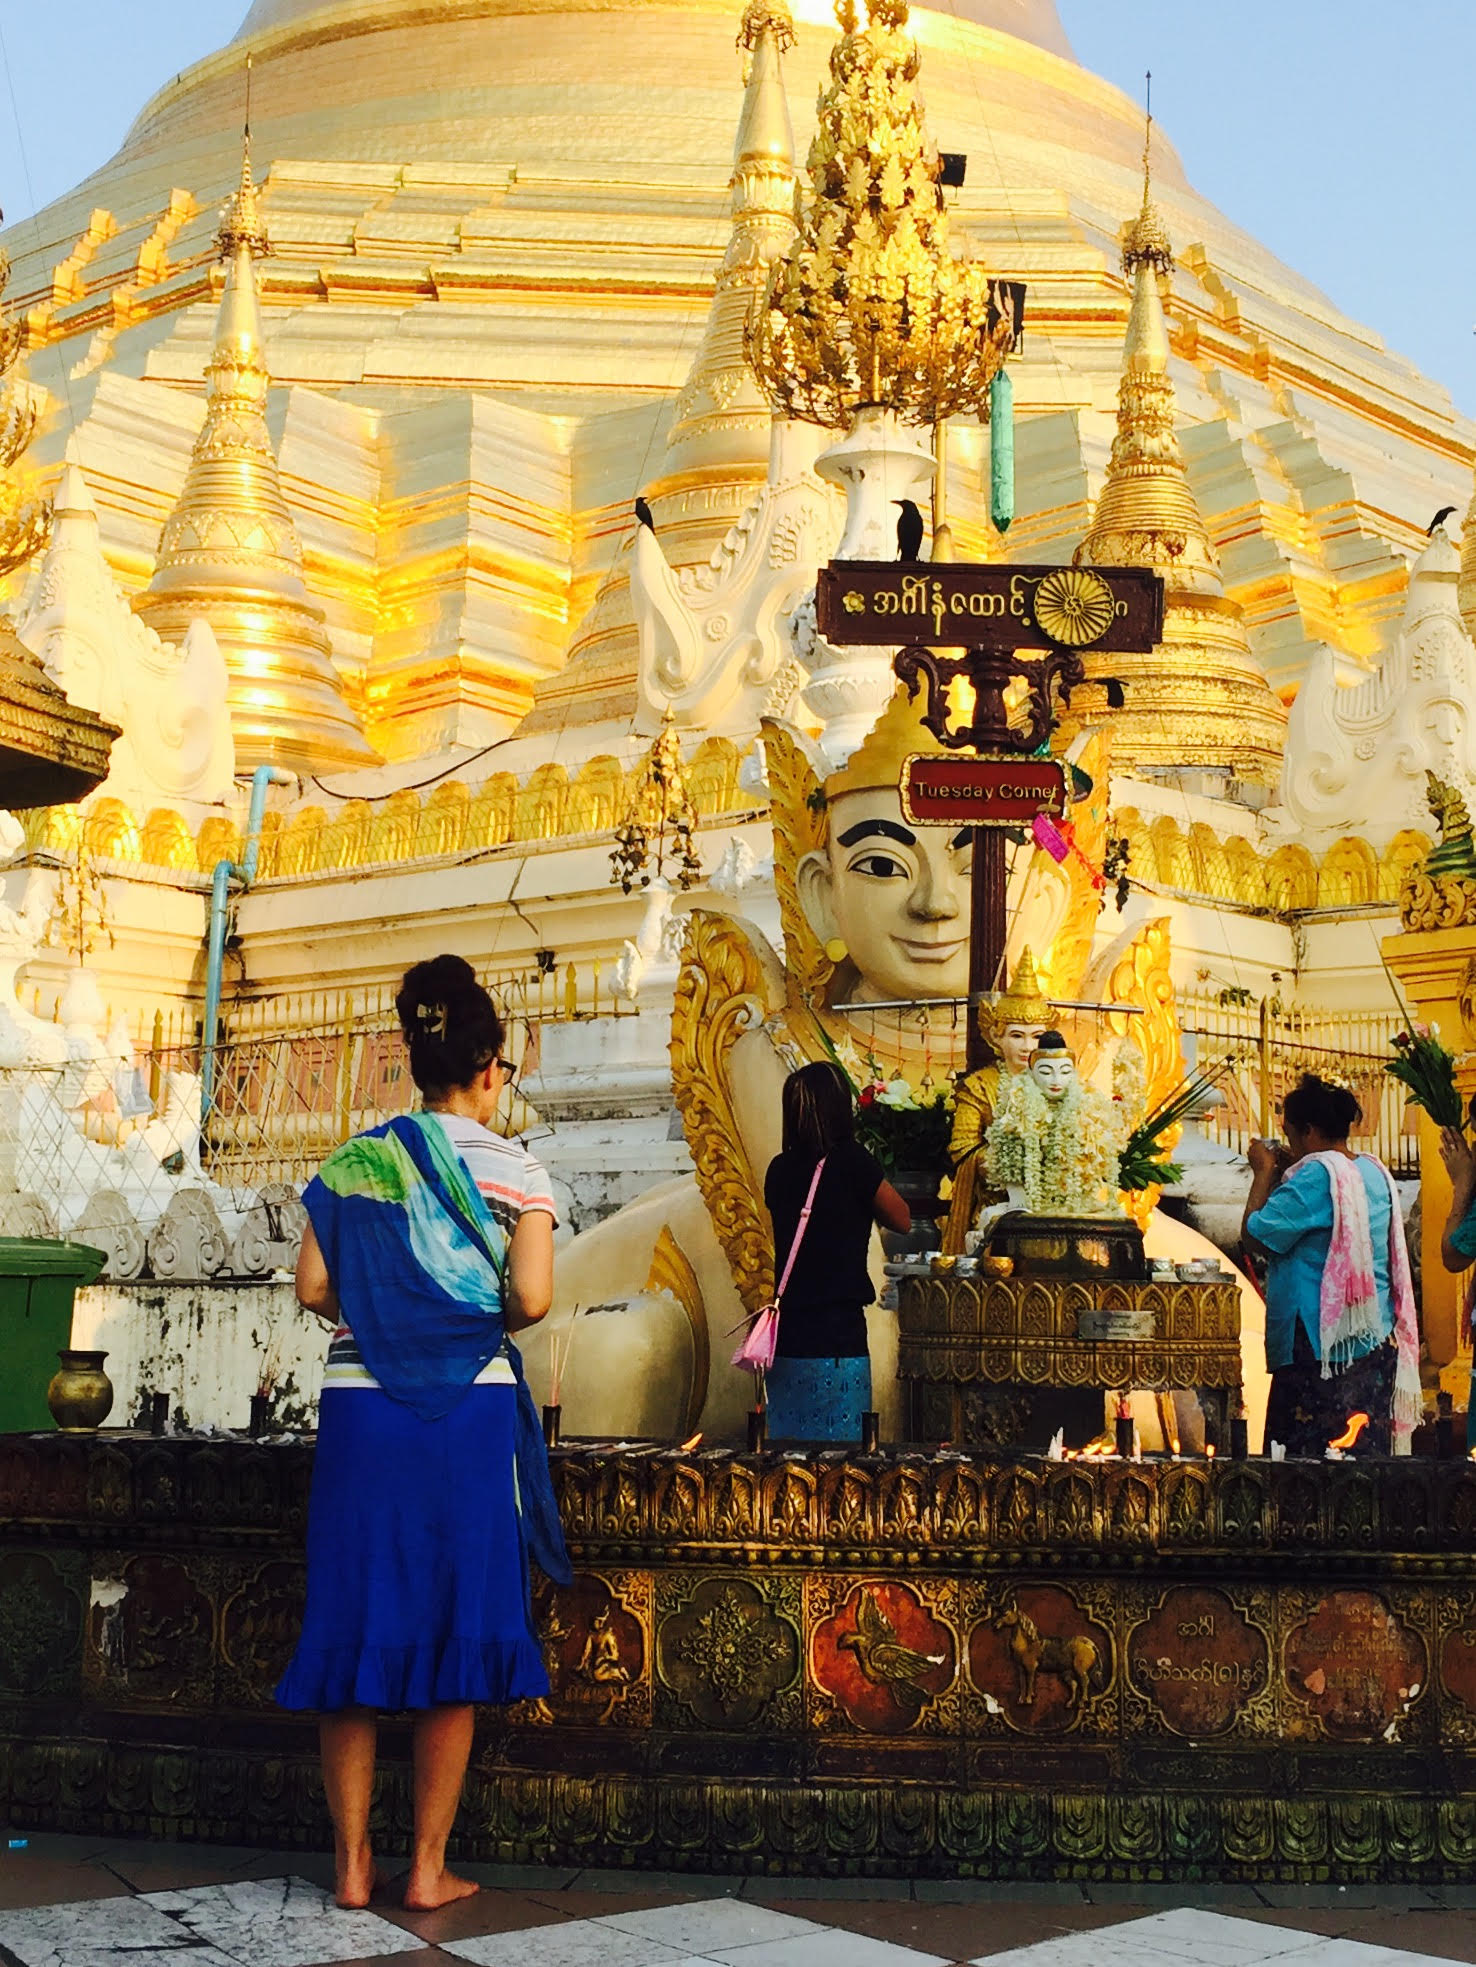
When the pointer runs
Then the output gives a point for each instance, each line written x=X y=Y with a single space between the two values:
x=243 y=873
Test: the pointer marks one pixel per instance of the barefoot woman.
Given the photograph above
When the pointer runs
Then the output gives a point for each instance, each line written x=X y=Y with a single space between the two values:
x=431 y=1240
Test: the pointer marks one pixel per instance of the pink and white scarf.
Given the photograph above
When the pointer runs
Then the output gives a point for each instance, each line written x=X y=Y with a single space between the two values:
x=1351 y=1318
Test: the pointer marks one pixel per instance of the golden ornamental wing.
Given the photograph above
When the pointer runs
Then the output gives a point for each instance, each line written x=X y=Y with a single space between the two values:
x=720 y=995
x=801 y=826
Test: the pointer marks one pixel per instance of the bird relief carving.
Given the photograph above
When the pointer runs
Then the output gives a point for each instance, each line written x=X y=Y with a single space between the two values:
x=1356 y=758
x=714 y=640
x=176 y=748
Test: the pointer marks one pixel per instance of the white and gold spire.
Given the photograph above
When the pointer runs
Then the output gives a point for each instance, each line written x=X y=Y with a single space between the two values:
x=229 y=553
x=719 y=443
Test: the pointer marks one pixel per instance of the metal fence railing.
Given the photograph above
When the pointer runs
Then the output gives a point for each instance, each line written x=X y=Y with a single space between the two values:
x=1270 y=1045
x=294 y=1074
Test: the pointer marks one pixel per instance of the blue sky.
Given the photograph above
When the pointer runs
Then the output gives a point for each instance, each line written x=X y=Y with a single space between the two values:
x=1339 y=132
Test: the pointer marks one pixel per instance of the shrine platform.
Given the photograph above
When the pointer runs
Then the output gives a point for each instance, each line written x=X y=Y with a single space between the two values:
x=917 y=1665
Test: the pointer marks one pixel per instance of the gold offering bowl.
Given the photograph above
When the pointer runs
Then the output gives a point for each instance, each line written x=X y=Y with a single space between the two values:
x=993 y=1266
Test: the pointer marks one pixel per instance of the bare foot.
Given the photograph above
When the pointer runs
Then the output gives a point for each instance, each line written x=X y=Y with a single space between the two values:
x=354 y=1879
x=426 y=1889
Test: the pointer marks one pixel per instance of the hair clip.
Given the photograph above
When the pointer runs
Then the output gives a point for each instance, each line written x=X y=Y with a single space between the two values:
x=433 y=1017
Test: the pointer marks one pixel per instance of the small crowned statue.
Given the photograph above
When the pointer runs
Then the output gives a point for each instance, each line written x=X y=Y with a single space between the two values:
x=1055 y=1142
x=1012 y=1025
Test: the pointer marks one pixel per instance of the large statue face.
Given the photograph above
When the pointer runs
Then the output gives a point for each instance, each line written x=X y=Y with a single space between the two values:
x=896 y=895
x=1053 y=1072
x=1015 y=1045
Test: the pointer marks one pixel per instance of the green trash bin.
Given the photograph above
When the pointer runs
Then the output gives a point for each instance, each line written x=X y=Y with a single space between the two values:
x=38 y=1284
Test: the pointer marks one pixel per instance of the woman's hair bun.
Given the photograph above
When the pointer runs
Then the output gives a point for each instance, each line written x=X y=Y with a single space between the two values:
x=451 y=1025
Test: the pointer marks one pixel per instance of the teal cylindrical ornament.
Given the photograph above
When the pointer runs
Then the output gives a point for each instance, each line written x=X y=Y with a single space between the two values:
x=1002 y=451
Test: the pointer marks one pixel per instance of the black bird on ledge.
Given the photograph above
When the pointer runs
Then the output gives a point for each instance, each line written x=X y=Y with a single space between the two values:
x=909 y=531
x=643 y=513
x=1439 y=520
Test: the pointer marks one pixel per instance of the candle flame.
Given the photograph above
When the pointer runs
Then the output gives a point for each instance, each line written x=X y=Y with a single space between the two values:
x=691 y=1442
x=1209 y=1453
x=1356 y=1424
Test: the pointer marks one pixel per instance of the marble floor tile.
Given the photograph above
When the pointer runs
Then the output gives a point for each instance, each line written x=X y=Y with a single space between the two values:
x=1186 y=1937
x=280 y=1922
x=1355 y=1953
x=708 y=1926
x=575 y=1943
x=828 y=1947
x=120 y=1932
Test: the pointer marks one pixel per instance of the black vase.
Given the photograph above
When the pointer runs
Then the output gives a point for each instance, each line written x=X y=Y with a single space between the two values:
x=918 y=1188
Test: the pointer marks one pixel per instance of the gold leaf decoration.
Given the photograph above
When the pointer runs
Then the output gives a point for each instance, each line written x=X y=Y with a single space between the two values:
x=671 y=1270
x=801 y=826
x=1074 y=607
x=720 y=995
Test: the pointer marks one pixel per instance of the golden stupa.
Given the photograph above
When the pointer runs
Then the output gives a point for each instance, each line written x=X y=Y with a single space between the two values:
x=489 y=322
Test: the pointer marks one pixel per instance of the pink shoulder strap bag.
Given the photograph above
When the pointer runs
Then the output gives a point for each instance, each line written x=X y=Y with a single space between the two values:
x=762 y=1337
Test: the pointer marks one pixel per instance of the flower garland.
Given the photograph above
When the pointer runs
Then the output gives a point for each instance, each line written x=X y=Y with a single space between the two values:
x=1064 y=1156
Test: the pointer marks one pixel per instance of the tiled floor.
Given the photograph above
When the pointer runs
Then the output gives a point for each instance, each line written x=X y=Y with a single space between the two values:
x=78 y=1902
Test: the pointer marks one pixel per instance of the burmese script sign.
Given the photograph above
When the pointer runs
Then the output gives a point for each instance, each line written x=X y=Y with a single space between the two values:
x=977 y=789
x=958 y=606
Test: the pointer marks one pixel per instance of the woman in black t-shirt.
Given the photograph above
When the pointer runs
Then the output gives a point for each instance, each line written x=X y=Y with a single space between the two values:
x=820 y=1383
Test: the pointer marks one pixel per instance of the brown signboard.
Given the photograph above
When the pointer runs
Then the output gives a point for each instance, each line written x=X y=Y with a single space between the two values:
x=962 y=789
x=952 y=605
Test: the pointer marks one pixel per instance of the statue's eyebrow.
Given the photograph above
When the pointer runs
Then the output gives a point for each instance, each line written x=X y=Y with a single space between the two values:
x=883 y=829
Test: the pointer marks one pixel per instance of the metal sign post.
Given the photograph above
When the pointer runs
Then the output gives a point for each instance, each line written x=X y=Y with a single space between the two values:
x=991 y=613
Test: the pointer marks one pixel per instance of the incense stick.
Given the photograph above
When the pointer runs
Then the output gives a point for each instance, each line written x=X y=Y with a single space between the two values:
x=560 y=1352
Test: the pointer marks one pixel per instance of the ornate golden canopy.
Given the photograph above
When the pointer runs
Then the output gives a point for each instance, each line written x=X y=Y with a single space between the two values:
x=52 y=752
x=870 y=306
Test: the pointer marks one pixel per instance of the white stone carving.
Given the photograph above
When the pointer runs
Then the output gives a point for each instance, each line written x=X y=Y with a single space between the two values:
x=653 y=960
x=188 y=1241
x=24 y=1038
x=713 y=640
x=1356 y=759
x=107 y=1223
x=271 y=1236
x=25 y=1214
x=740 y=868
x=176 y=749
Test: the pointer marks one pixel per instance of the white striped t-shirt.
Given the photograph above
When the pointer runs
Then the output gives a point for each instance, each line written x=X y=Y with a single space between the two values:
x=513 y=1184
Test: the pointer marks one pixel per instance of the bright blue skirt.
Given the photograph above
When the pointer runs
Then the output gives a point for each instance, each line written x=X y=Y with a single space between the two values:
x=817 y=1399
x=417 y=1587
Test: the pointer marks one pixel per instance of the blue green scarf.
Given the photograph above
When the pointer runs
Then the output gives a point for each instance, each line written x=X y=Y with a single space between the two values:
x=419 y=1264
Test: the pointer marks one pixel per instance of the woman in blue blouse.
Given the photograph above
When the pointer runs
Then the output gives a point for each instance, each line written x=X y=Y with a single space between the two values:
x=1289 y=1220
x=1458 y=1243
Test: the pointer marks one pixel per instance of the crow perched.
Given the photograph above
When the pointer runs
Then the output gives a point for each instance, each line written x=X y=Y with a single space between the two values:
x=1440 y=518
x=643 y=513
x=909 y=531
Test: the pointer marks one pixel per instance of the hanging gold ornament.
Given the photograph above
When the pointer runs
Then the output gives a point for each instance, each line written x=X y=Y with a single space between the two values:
x=660 y=823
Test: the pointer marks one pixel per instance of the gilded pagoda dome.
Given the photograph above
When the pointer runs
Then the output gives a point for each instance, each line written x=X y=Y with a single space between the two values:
x=496 y=226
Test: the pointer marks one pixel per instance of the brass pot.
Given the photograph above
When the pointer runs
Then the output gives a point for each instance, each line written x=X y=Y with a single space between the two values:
x=81 y=1394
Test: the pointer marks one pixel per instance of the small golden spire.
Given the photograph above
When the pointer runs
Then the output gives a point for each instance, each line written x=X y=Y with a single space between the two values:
x=1147 y=515
x=869 y=306
x=229 y=552
x=1147 y=240
x=1200 y=699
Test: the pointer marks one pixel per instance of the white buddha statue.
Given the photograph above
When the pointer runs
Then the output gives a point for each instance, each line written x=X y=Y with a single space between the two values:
x=1055 y=1140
